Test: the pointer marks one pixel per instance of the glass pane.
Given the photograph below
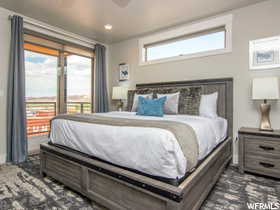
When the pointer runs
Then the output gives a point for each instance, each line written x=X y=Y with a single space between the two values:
x=203 y=43
x=78 y=84
x=41 y=91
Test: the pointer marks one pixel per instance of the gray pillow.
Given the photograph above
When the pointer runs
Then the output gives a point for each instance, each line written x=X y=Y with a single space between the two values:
x=172 y=102
x=135 y=100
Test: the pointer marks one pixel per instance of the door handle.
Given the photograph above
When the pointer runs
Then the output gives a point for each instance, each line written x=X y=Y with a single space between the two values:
x=267 y=165
x=267 y=148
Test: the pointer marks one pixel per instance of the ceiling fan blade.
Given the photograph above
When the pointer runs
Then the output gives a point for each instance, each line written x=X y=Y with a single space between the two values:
x=121 y=3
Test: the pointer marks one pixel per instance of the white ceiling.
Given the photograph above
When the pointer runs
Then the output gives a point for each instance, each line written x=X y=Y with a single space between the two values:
x=128 y=17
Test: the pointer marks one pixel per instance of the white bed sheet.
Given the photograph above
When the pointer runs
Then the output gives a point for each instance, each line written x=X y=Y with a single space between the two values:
x=153 y=151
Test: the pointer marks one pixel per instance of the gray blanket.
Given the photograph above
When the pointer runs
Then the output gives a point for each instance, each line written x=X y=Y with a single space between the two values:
x=184 y=134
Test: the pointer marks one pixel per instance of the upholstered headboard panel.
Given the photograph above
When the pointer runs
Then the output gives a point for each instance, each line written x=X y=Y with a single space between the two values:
x=190 y=92
x=188 y=102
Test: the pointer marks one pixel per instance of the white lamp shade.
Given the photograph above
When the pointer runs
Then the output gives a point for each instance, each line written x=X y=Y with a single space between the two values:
x=119 y=93
x=265 y=88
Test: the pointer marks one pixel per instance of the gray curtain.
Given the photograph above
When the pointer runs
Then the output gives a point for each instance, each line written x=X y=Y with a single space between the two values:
x=16 y=116
x=101 y=84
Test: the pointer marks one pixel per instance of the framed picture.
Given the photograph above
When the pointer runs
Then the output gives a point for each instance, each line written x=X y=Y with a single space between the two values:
x=264 y=53
x=124 y=71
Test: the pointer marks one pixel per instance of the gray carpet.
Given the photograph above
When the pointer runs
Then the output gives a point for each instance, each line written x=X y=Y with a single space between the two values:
x=21 y=187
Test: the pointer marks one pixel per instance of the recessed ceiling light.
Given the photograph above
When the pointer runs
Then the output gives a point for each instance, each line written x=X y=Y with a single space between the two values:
x=108 y=27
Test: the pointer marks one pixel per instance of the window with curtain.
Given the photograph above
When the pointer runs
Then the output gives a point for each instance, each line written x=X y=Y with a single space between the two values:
x=59 y=79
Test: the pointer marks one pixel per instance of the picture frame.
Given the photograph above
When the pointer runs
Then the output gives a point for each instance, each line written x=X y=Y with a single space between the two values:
x=124 y=72
x=265 y=53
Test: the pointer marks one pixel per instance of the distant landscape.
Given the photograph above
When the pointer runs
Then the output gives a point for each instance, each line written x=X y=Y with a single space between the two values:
x=72 y=98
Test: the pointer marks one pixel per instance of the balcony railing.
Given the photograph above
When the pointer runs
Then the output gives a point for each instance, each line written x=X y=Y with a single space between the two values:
x=39 y=115
x=78 y=107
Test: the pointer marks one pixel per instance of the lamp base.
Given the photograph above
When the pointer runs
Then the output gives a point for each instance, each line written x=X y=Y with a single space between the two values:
x=120 y=107
x=265 y=120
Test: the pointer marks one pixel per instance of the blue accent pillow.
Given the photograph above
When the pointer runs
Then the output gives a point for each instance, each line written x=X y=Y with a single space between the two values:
x=151 y=107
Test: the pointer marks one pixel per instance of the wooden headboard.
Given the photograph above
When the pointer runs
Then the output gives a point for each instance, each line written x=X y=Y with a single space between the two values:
x=223 y=86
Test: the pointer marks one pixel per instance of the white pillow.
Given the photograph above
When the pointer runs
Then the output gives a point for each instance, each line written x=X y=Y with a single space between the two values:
x=171 y=103
x=135 y=100
x=208 y=105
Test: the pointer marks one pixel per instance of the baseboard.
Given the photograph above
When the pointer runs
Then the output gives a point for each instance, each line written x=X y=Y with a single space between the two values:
x=3 y=159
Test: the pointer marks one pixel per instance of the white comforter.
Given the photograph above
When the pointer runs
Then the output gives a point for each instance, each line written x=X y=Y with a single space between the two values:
x=153 y=151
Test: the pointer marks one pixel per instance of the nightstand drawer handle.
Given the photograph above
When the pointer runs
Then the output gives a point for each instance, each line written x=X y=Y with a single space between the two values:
x=266 y=148
x=267 y=165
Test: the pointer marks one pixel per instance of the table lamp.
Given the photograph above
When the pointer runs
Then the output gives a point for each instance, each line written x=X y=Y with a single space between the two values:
x=120 y=93
x=266 y=88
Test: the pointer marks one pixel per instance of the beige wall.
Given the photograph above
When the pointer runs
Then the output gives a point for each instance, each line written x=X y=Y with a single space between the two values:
x=249 y=23
x=253 y=22
x=4 y=62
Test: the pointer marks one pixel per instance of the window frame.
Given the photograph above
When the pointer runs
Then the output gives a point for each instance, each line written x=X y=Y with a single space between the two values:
x=62 y=47
x=188 y=31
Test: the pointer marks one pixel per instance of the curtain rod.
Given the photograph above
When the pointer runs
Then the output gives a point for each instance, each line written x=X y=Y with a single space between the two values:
x=34 y=23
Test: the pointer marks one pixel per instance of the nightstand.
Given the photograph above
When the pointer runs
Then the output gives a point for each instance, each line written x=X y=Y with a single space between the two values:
x=259 y=151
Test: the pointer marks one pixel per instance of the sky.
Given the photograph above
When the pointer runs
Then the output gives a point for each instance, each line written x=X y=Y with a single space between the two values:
x=41 y=75
x=206 y=42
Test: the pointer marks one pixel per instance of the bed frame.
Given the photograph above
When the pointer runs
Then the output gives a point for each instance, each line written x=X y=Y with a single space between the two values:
x=120 y=189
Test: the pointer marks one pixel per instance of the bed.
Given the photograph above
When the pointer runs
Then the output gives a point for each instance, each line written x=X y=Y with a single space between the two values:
x=156 y=176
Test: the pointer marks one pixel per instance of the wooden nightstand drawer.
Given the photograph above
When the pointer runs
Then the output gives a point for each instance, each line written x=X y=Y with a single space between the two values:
x=259 y=151
x=267 y=166
x=262 y=146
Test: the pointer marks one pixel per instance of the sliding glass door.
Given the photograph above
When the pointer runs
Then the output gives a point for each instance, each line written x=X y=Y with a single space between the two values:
x=41 y=91
x=78 y=84
x=58 y=80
